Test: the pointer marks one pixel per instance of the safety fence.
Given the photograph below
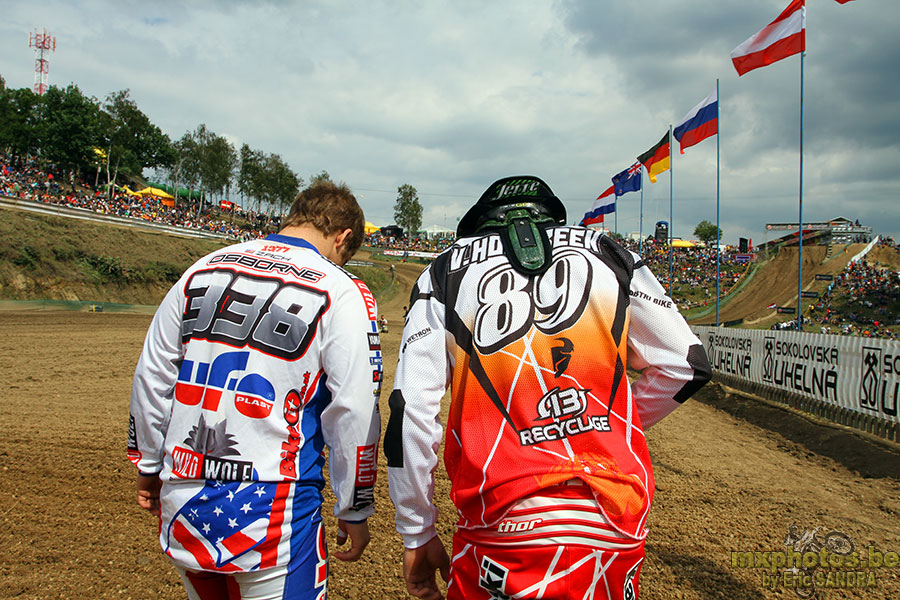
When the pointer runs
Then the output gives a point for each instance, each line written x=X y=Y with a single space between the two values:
x=850 y=380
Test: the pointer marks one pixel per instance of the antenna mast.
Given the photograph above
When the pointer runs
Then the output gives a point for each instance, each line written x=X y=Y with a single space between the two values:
x=43 y=44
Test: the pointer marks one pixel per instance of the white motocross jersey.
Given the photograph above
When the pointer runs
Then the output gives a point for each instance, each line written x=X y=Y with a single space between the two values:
x=261 y=355
x=537 y=368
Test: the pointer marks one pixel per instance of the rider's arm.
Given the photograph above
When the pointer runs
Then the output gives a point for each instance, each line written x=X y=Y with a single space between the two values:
x=661 y=345
x=414 y=431
x=350 y=423
x=153 y=386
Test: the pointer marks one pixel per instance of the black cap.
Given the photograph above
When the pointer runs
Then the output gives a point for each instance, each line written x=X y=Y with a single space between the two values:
x=524 y=191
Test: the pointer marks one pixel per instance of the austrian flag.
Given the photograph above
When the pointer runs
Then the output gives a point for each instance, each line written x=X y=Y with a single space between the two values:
x=783 y=37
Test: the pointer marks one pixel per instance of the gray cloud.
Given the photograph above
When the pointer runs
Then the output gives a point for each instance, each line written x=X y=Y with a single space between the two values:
x=451 y=96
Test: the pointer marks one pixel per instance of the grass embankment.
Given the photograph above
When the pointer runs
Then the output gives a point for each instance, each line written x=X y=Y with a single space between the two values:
x=55 y=258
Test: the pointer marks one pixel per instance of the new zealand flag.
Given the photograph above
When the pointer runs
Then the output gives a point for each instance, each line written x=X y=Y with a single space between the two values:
x=628 y=180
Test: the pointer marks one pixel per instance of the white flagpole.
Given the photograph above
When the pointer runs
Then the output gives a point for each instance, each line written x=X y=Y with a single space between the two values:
x=800 y=232
x=718 y=231
x=671 y=210
x=641 y=224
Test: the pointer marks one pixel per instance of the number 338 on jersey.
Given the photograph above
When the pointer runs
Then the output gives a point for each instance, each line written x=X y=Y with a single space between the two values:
x=238 y=309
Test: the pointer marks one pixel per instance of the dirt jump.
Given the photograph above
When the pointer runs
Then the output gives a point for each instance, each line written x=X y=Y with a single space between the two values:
x=774 y=281
x=734 y=475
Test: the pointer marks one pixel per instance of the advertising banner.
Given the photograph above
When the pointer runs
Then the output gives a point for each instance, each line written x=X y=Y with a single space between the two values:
x=855 y=373
x=409 y=253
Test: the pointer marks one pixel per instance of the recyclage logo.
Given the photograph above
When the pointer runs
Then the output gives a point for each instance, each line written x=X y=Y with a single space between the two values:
x=204 y=383
x=566 y=409
x=558 y=404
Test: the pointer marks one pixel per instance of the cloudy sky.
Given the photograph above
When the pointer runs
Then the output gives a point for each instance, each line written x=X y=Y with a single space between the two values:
x=450 y=96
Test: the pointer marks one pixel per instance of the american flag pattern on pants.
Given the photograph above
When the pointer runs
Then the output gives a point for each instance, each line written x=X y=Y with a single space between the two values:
x=303 y=578
x=235 y=526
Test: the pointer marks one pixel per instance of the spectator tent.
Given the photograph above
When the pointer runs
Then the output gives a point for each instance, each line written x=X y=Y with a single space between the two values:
x=433 y=232
x=167 y=199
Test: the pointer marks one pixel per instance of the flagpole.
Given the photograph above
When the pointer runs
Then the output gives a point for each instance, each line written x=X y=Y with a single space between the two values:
x=671 y=210
x=800 y=255
x=641 y=224
x=718 y=231
x=616 y=209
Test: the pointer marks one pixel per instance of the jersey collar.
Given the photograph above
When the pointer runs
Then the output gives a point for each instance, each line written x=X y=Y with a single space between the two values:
x=292 y=241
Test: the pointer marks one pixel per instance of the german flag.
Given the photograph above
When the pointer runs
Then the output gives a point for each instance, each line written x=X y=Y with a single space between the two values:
x=656 y=159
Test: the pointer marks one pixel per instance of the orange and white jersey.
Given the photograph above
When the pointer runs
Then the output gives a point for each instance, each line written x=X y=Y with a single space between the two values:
x=536 y=367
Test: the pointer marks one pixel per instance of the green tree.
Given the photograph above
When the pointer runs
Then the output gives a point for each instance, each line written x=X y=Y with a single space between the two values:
x=407 y=209
x=20 y=121
x=219 y=162
x=281 y=183
x=207 y=160
x=267 y=179
x=322 y=176
x=250 y=173
x=707 y=232
x=71 y=128
x=133 y=143
x=186 y=168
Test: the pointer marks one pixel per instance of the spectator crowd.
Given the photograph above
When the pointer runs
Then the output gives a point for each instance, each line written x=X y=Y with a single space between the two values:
x=389 y=242
x=693 y=271
x=27 y=180
x=862 y=300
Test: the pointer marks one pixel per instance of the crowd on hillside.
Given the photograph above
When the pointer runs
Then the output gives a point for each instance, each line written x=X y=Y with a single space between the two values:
x=390 y=242
x=862 y=300
x=693 y=270
x=869 y=296
x=30 y=181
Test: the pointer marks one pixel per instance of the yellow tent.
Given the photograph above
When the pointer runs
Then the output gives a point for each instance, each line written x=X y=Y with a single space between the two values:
x=129 y=192
x=152 y=191
x=370 y=228
x=682 y=244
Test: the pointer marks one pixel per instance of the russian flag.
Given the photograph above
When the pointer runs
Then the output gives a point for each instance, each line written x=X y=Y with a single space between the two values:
x=783 y=37
x=700 y=123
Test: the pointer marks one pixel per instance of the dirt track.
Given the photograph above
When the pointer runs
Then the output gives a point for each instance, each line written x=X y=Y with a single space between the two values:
x=776 y=281
x=731 y=474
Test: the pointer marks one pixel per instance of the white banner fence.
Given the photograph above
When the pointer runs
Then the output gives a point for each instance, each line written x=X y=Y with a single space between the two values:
x=851 y=380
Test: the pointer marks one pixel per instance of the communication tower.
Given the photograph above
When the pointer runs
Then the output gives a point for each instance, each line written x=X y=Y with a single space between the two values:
x=43 y=44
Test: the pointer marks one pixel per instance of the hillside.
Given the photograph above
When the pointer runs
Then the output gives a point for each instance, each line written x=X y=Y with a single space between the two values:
x=55 y=258
x=775 y=281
